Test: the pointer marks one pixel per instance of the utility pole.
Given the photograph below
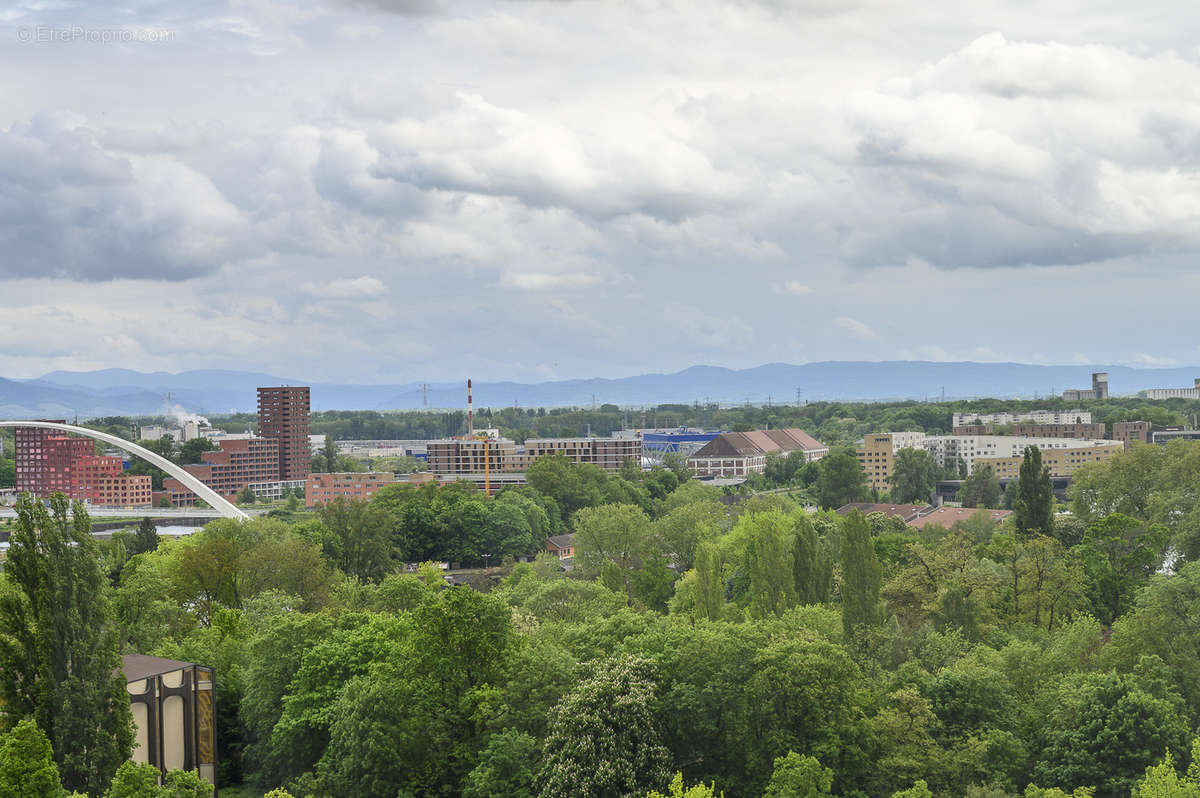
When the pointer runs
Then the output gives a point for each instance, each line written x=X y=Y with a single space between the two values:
x=425 y=394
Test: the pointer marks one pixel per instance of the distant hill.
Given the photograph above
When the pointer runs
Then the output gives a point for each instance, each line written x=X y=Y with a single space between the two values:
x=125 y=392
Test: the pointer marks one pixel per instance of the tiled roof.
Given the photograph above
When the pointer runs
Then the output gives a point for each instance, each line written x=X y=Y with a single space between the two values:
x=562 y=541
x=946 y=516
x=758 y=442
x=906 y=512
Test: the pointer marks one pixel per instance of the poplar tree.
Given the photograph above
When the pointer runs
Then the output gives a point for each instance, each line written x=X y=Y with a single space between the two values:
x=861 y=576
x=1033 y=506
x=812 y=569
x=59 y=649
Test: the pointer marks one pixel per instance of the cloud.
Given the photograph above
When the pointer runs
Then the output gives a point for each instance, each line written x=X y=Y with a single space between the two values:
x=855 y=329
x=541 y=281
x=793 y=287
x=350 y=288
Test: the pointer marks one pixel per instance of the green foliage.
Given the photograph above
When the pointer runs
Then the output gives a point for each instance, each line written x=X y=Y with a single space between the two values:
x=861 y=576
x=913 y=477
x=797 y=776
x=59 y=655
x=134 y=780
x=27 y=768
x=1162 y=780
x=1033 y=507
x=506 y=767
x=981 y=488
x=602 y=739
x=676 y=789
x=840 y=480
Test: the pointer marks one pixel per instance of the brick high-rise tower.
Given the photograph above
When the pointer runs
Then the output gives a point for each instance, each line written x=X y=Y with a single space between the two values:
x=283 y=416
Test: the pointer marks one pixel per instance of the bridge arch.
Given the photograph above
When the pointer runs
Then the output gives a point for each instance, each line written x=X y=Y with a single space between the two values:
x=214 y=499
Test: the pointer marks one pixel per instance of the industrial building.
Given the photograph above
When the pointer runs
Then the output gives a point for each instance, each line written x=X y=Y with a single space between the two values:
x=739 y=454
x=1099 y=389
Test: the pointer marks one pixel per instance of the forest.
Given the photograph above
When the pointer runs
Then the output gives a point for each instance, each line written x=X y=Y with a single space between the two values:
x=700 y=644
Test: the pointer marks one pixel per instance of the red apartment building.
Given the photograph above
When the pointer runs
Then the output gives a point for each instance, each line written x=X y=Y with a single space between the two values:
x=229 y=470
x=45 y=458
x=322 y=488
x=48 y=461
x=283 y=417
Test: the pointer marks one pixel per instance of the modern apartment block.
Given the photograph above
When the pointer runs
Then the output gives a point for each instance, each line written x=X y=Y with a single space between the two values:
x=44 y=460
x=1099 y=389
x=323 y=488
x=1174 y=393
x=948 y=450
x=459 y=456
x=471 y=456
x=739 y=454
x=283 y=417
x=121 y=490
x=1060 y=462
x=607 y=453
x=1130 y=432
x=877 y=455
x=1032 y=417
x=1076 y=431
x=234 y=466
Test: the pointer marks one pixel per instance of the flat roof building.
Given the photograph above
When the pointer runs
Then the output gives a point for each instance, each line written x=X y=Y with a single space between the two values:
x=234 y=466
x=283 y=417
x=1174 y=393
x=323 y=488
x=1032 y=417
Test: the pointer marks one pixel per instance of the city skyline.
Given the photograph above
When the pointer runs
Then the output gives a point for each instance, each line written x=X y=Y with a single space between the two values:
x=355 y=191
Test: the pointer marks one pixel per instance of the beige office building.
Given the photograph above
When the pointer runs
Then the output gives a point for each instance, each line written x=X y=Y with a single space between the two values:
x=877 y=455
x=1060 y=462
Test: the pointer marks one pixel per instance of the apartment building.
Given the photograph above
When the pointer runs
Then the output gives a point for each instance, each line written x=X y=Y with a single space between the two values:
x=230 y=469
x=323 y=488
x=948 y=450
x=1061 y=462
x=607 y=453
x=1099 y=389
x=1130 y=432
x=122 y=490
x=1077 y=431
x=1032 y=417
x=877 y=455
x=283 y=417
x=44 y=460
x=739 y=454
x=458 y=456
x=1174 y=393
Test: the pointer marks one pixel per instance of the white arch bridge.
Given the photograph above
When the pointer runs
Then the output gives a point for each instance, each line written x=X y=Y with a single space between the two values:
x=214 y=499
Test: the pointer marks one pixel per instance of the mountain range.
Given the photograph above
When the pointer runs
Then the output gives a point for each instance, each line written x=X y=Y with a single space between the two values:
x=66 y=394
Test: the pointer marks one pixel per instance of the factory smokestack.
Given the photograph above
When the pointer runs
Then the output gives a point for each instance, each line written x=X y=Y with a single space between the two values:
x=470 y=411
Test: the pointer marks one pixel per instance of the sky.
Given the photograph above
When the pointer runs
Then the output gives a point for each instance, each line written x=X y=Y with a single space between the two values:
x=408 y=190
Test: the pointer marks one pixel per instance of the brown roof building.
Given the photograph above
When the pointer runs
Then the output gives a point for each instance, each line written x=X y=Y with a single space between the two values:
x=946 y=516
x=905 y=512
x=739 y=454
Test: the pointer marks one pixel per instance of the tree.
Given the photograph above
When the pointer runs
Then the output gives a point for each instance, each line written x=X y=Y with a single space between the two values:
x=861 y=576
x=1162 y=781
x=134 y=780
x=191 y=450
x=505 y=767
x=146 y=538
x=27 y=768
x=1105 y=729
x=357 y=538
x=812 y=569
x=913 y=476
x=981 y=488
x=602 y=739
x=329 y=454
x=1033 y=507
x=677 y=790
x=840 y=480
x=247 y=496
x=612 y=541
x=59 y=647
x=797 y=776
x=1120 y=554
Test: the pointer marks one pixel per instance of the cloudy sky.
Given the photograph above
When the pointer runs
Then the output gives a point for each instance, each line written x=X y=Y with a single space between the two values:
x=403 y=190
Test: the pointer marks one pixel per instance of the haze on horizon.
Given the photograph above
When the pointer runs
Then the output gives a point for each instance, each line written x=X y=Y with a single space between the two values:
x=400 y=190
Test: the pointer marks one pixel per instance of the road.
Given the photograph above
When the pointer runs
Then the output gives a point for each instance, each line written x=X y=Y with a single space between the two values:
x=151 y=512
